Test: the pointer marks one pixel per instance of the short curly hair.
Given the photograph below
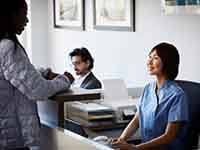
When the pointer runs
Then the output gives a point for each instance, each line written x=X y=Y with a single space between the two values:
x=84 y=54
x=170 y=58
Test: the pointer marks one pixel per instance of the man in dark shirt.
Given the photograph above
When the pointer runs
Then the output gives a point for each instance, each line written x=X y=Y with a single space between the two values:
x=83 y=63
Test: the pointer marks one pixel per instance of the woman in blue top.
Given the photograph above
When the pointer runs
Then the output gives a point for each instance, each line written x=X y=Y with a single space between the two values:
x=163 y=110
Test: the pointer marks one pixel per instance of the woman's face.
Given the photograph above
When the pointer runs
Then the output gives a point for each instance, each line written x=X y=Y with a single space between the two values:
x=20 y=20
x=154 y=64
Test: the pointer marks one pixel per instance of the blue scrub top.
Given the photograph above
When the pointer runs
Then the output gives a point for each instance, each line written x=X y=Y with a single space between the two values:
x=155 y=112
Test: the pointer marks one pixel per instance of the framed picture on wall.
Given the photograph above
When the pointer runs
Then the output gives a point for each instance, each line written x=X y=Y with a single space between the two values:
x=116 y=15
x=69 y=14
x=182 y=7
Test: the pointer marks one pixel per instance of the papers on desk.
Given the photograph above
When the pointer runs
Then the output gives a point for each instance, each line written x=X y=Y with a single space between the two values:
x=90 y=107
x=116 y=107
x=89 y=113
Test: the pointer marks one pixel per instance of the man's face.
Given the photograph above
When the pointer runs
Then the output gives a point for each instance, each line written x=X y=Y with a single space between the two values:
x=80 y=67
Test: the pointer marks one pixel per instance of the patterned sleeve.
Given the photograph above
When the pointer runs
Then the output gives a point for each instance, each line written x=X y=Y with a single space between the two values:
x=43 y=72
x=18 y=70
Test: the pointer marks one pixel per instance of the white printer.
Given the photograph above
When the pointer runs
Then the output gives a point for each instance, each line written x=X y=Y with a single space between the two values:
x=115 y=95
x=124 y=109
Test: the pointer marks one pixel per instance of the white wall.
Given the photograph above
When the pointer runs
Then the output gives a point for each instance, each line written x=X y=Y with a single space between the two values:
x=123 y=54
x=39 y=32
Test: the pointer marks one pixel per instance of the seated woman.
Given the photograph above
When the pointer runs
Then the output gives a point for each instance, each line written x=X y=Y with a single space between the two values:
x=163 y=110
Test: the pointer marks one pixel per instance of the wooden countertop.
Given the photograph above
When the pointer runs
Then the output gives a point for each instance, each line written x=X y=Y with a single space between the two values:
x=76 y=94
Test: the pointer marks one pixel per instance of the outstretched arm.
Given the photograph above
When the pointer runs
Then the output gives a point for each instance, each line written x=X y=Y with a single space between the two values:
x=18 y=70
x=165 y=138
x=130 y=129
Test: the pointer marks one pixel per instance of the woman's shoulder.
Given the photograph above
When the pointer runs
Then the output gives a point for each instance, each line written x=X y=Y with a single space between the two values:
x=150 y=85
x=6 y=41
x=149 y=88
x=176 y=88
x=6 y=44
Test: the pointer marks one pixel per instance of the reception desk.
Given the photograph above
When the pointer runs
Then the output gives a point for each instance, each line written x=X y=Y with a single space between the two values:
x=60 y=139
x=52 y=111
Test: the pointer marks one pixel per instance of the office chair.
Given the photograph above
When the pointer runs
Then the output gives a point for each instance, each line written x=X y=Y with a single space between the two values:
x=192 y=89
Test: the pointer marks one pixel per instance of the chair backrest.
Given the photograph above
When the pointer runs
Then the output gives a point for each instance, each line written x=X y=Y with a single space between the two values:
x=192 y=89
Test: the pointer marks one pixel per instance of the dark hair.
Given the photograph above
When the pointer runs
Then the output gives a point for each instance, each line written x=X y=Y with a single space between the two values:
x=7 y=9
x=170 y=59
x=84 y=54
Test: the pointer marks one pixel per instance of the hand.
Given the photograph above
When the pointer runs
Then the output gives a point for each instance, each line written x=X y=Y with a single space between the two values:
x=69 y=76
x=51 y=74
x=117 y=141
x=123 y=145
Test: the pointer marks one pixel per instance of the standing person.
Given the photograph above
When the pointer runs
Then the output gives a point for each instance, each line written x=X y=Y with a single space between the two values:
x=163 y=110
x=20 y=83
x=83 y=63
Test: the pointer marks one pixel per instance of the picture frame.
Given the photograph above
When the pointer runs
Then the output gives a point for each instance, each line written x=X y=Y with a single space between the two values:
x=180 y=7
x=116 y=15
x=69 y=14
